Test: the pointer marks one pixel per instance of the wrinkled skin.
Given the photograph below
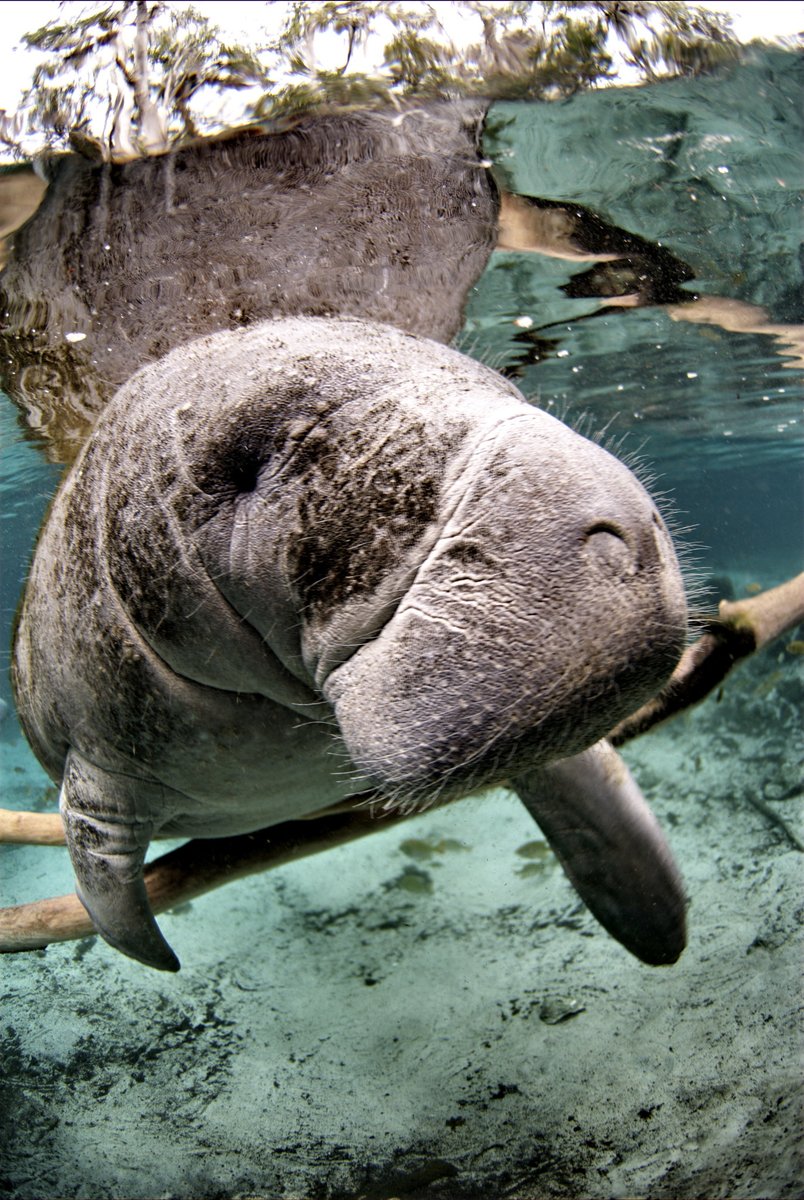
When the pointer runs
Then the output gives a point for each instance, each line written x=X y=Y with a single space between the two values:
x=317 y=557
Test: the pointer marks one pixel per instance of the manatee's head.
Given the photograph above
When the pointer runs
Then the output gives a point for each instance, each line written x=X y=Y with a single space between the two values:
x=474 y=588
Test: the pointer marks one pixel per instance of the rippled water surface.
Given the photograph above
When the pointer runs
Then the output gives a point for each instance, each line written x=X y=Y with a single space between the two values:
x=712 y=177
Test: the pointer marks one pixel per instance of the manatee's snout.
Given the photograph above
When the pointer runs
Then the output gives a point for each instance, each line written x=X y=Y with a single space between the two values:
x=551 y=606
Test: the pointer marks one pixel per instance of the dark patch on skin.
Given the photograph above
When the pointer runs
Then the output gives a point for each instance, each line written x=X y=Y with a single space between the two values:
x=114 y=714
x=469 y=554
x=156 y=575
x=138 y=565
x=227 y=465
x=355 y=523
x=92 y=842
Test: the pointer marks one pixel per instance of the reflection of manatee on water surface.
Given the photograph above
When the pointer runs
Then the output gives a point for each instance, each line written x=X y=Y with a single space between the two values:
x=389 y=216
x=323 y=557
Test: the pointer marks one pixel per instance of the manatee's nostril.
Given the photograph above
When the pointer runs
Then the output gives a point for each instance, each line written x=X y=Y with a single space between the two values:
x=607 y=527
x=609 y=550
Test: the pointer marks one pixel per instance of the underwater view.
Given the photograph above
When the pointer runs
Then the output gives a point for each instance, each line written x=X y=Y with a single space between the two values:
x=427 y=1008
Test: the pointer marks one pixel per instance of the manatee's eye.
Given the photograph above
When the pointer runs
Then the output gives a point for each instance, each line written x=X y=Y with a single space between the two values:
x=232 y=471
x=609 y=549
x=244 y=473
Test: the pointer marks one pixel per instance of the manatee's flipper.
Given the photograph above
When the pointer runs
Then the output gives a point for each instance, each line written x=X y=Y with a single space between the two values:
x=107 y=844
x=609 y=843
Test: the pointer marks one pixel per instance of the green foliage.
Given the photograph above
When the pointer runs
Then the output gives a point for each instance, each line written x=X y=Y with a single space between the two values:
x=692 y=40
x=189 y=56
x=134 y=77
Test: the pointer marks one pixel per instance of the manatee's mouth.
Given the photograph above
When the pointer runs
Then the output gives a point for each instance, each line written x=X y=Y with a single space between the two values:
x=350 y=630
x=421 y=734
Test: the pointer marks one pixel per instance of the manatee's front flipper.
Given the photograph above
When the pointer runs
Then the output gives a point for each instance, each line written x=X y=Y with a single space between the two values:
x=107 y=844
x=612 y=848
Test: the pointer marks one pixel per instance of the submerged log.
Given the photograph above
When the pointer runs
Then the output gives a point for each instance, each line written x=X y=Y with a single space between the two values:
x=741 y=628
x=199 y=866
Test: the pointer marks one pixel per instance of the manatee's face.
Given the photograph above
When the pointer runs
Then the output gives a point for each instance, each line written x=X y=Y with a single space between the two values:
x=549 y=607
x=473 y=587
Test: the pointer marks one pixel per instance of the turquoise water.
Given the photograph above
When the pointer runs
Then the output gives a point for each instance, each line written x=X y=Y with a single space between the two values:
x=383 y=1020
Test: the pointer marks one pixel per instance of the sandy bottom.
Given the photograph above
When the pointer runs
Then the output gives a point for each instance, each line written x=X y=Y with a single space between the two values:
x=430 y=1012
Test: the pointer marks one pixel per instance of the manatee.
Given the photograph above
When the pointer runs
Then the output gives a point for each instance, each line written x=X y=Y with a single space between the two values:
x=322 y=558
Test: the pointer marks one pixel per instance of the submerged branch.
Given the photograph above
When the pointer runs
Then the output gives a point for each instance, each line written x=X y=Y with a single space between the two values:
x=776 y=819
x=31 y=829
x=741 y=628
x=199 y=866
